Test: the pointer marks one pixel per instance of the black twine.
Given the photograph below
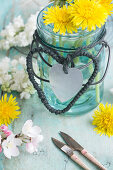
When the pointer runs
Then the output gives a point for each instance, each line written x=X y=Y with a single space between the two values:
x=65 y=62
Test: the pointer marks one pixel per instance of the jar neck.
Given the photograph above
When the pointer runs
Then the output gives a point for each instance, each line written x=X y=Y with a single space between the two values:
x=69 y=41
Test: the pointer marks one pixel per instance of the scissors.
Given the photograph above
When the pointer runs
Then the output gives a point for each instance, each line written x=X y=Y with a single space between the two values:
x=71 y=146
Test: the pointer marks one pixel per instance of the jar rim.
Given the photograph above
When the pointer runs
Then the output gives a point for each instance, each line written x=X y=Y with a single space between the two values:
x=82 y=33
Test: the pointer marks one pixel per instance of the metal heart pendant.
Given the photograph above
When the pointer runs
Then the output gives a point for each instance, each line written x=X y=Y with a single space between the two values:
x=65 y=86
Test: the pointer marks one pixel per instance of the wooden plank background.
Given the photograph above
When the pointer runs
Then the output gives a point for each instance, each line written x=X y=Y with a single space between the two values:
x=80 y=128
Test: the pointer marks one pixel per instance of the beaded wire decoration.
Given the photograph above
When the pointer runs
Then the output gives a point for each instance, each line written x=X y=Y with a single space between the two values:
x=80 y=51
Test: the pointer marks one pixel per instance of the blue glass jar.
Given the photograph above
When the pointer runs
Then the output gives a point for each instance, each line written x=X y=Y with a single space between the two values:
x=64 y=45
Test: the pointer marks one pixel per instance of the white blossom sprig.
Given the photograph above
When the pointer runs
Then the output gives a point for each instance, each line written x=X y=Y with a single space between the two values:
x=17 y=33
x=30 y=135
x=14 y=76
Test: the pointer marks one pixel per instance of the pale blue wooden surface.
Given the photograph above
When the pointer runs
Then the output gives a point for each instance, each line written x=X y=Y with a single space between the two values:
x=80 y=128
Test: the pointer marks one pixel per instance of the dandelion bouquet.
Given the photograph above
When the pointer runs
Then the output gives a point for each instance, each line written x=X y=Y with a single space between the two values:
x=88 y=14
x=69 y=19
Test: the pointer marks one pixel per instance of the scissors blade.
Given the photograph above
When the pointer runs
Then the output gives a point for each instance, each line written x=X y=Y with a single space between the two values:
x=63 y=147
x=76 y=146
x=71 y=142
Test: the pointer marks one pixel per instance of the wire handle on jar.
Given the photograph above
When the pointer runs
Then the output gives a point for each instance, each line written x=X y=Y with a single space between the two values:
x=65 y=62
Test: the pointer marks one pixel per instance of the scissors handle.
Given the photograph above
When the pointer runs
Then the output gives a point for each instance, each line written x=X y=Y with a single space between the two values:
x=79 y=162
x=92 y=159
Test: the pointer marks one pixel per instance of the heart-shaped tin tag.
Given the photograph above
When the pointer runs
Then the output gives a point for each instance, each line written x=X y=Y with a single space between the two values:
x=65 y=86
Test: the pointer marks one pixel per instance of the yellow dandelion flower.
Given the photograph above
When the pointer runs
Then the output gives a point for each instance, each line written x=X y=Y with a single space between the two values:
x=107 y=4
x=103 y=120
x=60 y=18
x=9 y=109
x=88 y=14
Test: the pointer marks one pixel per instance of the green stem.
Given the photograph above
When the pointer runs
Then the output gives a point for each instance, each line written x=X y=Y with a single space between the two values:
x=60 y=41
x=97 y=88
x=91 y=65
x=76 y=60
x=77 y=44
x=50 y=59
x=7 y=52
x=53 y=43
x=91 y=68
x=60 y=44
x=41 y=75
x=2 y=93
x=59 y=2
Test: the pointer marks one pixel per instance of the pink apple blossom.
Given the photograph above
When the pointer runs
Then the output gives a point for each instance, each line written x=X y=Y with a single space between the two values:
x=30 y=130
x=34 y=133
x=4 y=127
x=10 y=146
x=32 y=146
x=7 y=132
x=9 y=142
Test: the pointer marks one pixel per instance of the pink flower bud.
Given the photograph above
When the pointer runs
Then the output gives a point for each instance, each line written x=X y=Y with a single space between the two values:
x=0 y=149
x=7 y=132
x=4 y=127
